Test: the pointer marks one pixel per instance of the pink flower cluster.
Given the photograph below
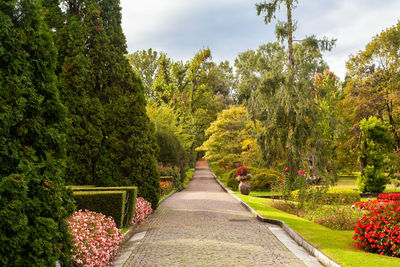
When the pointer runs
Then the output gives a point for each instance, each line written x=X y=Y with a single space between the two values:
x=95 y=238
x=143 y=209
x=301 y=172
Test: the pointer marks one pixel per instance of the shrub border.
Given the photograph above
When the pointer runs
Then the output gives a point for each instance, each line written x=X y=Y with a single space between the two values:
x=325 y=260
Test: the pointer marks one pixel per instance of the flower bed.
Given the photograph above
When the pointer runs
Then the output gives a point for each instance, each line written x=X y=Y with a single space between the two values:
x=371 y=205
x=95 y=238
x=166 y=187
x=379 y=230
x=143 y=209
x=389 y=196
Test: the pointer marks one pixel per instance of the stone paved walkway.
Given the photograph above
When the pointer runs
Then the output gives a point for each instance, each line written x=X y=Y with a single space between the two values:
x=205 y=226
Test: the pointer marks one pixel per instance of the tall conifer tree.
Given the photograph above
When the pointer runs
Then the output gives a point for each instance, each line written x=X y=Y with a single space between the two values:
x=33 y=200
x=111 y=141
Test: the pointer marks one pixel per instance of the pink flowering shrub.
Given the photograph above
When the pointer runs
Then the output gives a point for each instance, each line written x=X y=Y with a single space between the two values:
x=143 y=209
x=95 y=238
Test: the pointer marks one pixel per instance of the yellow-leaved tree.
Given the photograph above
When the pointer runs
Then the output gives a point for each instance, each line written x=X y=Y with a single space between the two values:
x=231 y=139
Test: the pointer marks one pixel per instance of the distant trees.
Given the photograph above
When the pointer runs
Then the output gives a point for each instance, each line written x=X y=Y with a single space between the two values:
x=34 y=202
x=230 y=138
x=194 y=91
x=372 y=86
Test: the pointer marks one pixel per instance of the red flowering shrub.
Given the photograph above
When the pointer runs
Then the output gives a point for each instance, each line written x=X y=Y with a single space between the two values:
x=242 y=171
x=166 y=187
x=143 y=209
x=389 y=196
x=95 y=238
x=379 y=231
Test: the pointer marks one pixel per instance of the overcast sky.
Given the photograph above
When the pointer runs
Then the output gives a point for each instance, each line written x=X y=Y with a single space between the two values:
x=182 y=27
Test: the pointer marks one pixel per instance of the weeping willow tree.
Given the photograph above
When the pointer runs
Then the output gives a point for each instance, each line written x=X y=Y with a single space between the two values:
x=289 y=111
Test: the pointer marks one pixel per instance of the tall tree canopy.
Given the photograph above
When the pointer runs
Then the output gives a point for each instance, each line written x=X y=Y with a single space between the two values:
x=288 y=108
x=33 y=200
x=372 y=86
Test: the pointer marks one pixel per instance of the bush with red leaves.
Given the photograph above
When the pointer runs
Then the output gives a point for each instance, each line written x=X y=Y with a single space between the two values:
x=242 y=171
x=379 y=231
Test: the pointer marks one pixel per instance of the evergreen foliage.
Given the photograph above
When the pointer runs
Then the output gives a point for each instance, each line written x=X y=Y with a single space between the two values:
x=374 y=156
x=34 y=202
x=111 y=140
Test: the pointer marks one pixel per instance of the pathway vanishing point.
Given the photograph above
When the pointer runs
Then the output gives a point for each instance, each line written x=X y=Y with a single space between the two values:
x=204 y=226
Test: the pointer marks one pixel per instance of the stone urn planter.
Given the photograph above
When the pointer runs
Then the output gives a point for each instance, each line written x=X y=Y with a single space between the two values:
x=243 y=177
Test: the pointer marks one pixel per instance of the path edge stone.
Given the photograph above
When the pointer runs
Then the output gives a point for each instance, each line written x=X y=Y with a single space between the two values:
x=325 y=260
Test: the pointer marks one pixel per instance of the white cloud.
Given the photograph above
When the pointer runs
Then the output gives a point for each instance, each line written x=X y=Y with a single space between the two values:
x=182 y=27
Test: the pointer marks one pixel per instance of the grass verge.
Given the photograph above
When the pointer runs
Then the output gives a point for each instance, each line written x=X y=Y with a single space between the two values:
x=338 y=245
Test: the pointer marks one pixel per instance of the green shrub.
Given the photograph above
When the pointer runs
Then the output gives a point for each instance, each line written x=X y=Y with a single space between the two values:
x=109 y=203
x=231 y=181
x=171 y=150
x=264 y=180
x=130 y=202
x=188 y=175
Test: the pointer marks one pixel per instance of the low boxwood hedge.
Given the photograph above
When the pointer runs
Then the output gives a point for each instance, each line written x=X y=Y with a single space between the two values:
x=109 y=203
x=130 y=202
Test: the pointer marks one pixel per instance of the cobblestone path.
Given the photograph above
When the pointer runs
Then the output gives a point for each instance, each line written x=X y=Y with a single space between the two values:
x=205 y=226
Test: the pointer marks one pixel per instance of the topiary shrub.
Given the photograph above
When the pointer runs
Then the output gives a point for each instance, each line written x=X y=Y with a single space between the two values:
x=130 y=202
x=109 y=203
x=96 y=238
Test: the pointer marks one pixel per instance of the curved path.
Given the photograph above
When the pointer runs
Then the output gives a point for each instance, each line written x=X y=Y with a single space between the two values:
x=205 y=226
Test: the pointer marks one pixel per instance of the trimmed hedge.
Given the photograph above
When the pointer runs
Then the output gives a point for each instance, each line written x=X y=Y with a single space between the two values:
x=262 y=180
x=130 y=203
x=109 y=203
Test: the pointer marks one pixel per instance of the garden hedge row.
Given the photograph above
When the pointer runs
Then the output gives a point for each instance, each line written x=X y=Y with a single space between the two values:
x=109 y=203
x=128 y=205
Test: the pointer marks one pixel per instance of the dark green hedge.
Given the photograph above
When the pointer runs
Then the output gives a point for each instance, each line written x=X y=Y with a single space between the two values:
x=109 y=203
x=130 y=202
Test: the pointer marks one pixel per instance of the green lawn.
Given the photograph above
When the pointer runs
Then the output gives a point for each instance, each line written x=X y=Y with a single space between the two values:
x=338 y=245
x=350 y=182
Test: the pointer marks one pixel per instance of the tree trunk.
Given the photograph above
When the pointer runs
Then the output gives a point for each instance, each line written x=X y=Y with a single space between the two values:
x=290 y=34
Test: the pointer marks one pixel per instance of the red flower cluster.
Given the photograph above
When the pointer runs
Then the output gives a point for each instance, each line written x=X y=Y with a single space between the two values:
x=166 y=187
x=374 y=204
x=143 y=209
x=95 y=238
x=242 y=171
x=389 y=196
x=379 y=230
